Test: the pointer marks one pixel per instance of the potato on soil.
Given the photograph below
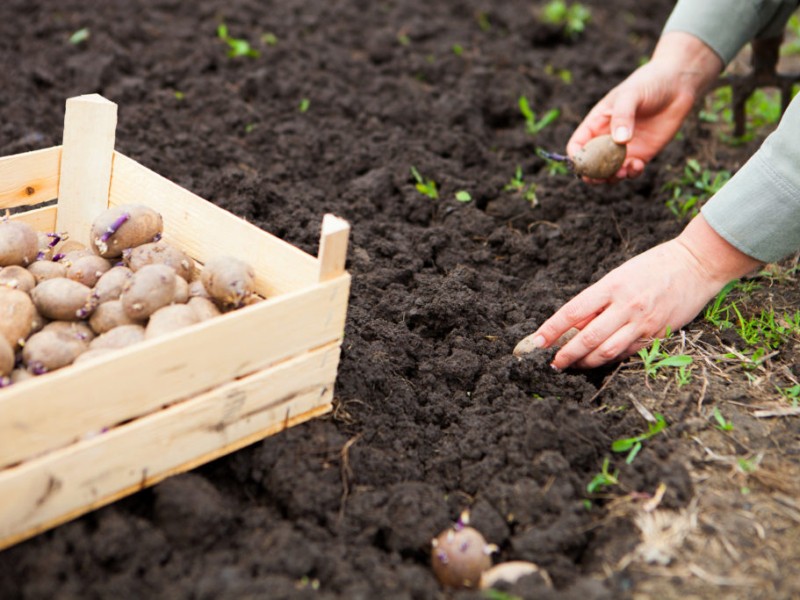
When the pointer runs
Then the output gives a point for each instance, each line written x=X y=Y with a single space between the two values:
x=19 y=243
x=62 y=299
x=110 y=285
x=88 y=269
x=460 y=555
x=109 y=315
x=170 y=318
x=7 y=358
x=47 y=351
x=150 y=288
x=47 y=269
x=80 y=330
x=119 y=337
x=122 y=227
x=17 y=314
x=203 y=307
x=17 y=277
x=163 y=253
x=228 y=280
x=600 y=158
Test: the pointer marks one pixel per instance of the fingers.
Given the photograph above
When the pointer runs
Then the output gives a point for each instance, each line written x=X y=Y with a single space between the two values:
x=579 y=312
x=608 y=335
x=623 y=117
x=595 y=123
x=619 y=345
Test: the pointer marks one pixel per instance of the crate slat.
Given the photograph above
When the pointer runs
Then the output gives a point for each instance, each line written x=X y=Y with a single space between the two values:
x=333 y=247
x=62 y=485
x=197 y=225
x=48 y=412
x=29 y=178
x=41 y=219
x=90 y=124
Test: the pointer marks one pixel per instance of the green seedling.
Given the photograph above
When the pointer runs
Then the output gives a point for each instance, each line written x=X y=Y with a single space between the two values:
x=458 y=49
x=426 y=187
x=572 y=18
x=518 y=185
x=483 y=21
x=633 y=445
x=722 y=423
x=463 y=196
x=565 y=75
x=604 y=478
x=236 y=46
x=304 y=105
x=269 y=39
x=696 y=185
x=81 y=35
x=494 y=594
x=654 y=359
x=532 y=124
x=554 y=167
x=403 y=39
x=179 y=95
x=791 y=393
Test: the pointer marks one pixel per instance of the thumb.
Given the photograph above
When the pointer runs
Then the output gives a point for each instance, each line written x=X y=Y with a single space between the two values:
x=623 y=117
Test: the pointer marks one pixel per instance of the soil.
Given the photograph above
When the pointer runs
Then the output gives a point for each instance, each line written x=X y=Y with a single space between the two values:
x=432 y=414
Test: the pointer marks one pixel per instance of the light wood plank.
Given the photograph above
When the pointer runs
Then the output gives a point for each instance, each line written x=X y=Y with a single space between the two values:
x=89 y=127
x=64 y=484
x=50 y=411
x=29 y=178
x=203 y=229
x=333 y=247
x=41 y=219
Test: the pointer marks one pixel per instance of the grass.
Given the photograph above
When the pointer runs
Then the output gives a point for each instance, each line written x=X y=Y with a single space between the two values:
x=691 y=190
x=655 y=359
x=534 y=125
x=722 y=423
x=518 y=185
x=633 y=445
x=604 y=478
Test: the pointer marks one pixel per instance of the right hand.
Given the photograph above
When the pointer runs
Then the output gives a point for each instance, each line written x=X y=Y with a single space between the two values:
x=646 y=110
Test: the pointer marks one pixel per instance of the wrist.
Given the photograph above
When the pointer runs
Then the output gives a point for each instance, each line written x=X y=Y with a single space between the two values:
x=717 y=259
x=693 y=64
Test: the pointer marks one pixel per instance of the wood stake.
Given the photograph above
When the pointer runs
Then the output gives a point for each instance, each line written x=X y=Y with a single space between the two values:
x=333 y=247
x=89 y=127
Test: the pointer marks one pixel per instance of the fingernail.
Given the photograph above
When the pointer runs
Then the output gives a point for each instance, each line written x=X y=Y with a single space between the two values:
x=621 y=134
x=555 y=368
x=538 y=342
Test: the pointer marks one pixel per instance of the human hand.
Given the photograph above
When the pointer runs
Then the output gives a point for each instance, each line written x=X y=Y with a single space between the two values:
x=646 y=110
x=666 y=286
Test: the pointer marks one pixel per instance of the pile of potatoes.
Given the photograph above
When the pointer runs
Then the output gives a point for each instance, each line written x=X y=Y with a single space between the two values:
x=63 y=303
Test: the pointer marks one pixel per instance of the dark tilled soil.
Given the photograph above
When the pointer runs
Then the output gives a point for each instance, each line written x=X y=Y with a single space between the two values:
x=433 y=415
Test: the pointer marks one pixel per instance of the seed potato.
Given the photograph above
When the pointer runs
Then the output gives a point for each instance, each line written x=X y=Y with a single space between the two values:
x=88 y=269
x=17 y=313
x=122 y=227
x=228 y=280
x=170 y=318
x=119 y=337
x=47 y=351
x=162 y=253
x=62 y=299
x=150 y=288
x=7 y=358
x=109 y=315
x=47 y=269
x=17 y=277
x=110 y=285
x=19 y=243
x=600 y=158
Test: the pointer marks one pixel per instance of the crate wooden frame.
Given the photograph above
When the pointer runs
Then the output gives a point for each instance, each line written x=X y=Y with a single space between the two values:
x=86 y=435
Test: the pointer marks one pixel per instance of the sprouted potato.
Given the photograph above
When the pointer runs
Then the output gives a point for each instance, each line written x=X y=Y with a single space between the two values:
x=19 y=243
x=460 y=555
x=600 y=158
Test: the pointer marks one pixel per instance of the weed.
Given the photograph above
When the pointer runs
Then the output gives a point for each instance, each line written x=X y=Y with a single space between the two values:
x=633 y=445
x=791 y=393
x=572 y=18
x=494 y=594
x=722 y=423
x=693 y=188
x=604 y=478
x=81 y=35
x=458 y=49
x=179 y=95
x=304 y=105
x=565 y=75
x=532 y=124
x=463 y=196
x=403 y=39
x=654 y=359
x=483 y=21
x=518 y=185
x=236 y=46
x=426 y=187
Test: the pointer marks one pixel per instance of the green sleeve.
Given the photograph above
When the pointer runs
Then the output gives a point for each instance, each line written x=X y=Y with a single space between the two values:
x=727 y=25
x=758 y=210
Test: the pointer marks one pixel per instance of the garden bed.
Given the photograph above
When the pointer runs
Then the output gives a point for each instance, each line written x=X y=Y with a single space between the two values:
x=432 y=414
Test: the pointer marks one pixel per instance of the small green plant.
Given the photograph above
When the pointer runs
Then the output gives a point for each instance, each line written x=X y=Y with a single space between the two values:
x=304 y=105
x=403 y=38
x=572 y=18
x=693 y=188
x=236 y=46
x=494 y=594
x=179 y=95
x=604 y=478
x=654 y=359
x=426 y=187
x=457 y=49
x=269 y=39
x=633 y=445
x=791 y=393
x=81 y=35
x=518 y=185
x=722 y=423
x=532 y=124
x=463 y=196
x=483 y=21
x=565 y=75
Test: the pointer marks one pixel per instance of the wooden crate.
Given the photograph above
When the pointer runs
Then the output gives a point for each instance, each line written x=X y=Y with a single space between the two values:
x=86 y=435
